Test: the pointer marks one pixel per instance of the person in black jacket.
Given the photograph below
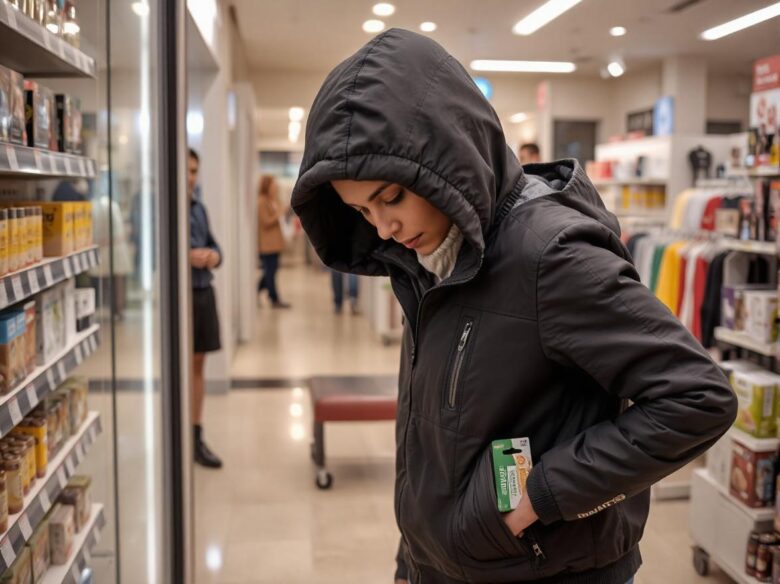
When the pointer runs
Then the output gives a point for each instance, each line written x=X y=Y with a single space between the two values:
x=524 y=317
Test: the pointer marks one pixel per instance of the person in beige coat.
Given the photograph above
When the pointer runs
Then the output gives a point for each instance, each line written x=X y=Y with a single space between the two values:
x=270 y=241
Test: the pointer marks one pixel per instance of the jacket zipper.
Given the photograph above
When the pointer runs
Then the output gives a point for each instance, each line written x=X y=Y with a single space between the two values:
x=536 y=548
x=454 y=378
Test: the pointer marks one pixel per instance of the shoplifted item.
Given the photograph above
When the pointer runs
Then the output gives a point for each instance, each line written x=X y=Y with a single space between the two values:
x=512 y=464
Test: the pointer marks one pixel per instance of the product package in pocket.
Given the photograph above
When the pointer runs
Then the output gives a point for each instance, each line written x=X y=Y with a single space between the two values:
x=512 y=464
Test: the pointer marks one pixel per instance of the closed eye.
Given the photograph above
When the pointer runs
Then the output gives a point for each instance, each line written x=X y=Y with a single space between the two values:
x=399 y=196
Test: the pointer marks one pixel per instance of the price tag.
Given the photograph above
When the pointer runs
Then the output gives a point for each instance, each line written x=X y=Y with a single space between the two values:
x=25 y=527
x=82 y=168
x=47 y=275
x=92 y=433
x=75 y=572
x=11 y=15
x=61 y=478
x=44 y=499
x=47 y=36
x=68 y=166
x=50 y=380
x=38 y=160
x=16 y=284
x=13 y=163
x=61 y=371
x=87 y=556
x=79 y=355
x=67 y=268
x=15 y=411
x=70 y=467
x=32 y=396
x=3 y=295
x=61 y=47
x=53 y=165
x=81 y=452
x=93 y=343
x=77 y=264
x=35 y=285
x=7 y=551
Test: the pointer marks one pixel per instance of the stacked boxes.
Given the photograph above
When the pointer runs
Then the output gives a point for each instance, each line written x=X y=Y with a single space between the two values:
x=12 y=118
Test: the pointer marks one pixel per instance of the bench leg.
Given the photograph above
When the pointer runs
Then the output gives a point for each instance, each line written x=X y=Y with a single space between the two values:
x=324 y=479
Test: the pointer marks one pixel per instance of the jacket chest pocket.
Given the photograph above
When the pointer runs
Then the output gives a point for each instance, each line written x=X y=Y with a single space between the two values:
x=459 y=360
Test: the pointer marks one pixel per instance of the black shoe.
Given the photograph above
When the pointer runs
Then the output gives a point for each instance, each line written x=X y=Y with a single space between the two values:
x=280 y=304
x=205 y=457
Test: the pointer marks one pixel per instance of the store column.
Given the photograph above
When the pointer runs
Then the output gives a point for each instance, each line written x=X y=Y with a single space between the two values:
x=685 y=80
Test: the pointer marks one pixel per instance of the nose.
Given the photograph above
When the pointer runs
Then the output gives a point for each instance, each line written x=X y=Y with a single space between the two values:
x=387 y=227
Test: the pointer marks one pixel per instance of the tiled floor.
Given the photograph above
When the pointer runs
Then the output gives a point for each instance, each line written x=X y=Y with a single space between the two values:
x=262 y=520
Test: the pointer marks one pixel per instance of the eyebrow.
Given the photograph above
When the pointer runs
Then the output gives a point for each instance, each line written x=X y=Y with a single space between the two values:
x=379 y=191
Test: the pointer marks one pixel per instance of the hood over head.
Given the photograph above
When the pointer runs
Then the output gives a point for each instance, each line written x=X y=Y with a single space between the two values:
x=403 y=110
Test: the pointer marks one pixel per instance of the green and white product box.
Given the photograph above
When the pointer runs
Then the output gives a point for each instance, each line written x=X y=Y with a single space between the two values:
x=511 y=465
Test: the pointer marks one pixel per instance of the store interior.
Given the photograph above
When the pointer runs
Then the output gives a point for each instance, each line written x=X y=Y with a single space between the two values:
x=670 y=107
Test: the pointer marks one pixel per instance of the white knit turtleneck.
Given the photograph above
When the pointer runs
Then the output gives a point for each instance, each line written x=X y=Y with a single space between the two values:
x=442 y=260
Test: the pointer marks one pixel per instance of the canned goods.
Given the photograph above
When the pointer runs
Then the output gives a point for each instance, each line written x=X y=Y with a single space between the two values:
x=752 y=554
x=764 y=558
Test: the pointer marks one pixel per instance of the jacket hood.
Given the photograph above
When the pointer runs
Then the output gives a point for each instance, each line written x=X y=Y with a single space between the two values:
x=403 y=110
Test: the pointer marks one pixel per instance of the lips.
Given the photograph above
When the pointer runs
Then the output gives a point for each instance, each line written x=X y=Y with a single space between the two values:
x=413 y=242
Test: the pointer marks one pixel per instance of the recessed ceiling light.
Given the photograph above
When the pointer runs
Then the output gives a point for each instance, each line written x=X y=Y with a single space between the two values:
x=523 y=66
x=372 y=26
x=295 y=114
x=617 y=31
x=741 y=23
x=293 y=131
x=545 y=14
x=428 y=26
x=384 y=9
x=616 y=68
x=140 y=8
x=518 y=117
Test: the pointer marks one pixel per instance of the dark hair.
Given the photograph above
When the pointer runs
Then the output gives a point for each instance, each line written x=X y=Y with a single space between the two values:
x=532 y=148
x=194 y=155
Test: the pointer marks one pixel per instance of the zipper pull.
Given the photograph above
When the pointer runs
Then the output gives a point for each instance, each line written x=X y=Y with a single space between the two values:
x=464 y=337
x=538 y=551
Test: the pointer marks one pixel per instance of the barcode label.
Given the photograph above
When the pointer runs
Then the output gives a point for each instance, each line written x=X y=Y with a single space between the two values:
x=38 y=161
x=61 y=478
x=16 y=284
x=67 y=268
x=50 y=379
x=77 y=264
x=47 y=39
x=3 y=295
x=44 y=499
x=82 y=170
x=61 y=371
x=7 y=551
x=35 y=286
x=68 y=166
x=16 y=412
x=79 y=355
x=75 y=573
x=13 y=163
x=53 y=165
x=25 y=527
x=70 y=466
x=32 y=396
x=47 y=275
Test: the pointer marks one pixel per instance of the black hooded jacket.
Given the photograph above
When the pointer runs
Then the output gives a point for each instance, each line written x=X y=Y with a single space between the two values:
x=560 y=335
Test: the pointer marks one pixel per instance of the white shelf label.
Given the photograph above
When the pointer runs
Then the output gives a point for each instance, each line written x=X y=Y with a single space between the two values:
x=79 y=355
x=82 y=169
x=67 y=268
x=61 y=478
x=16 y=284
x=38 y=160
x=35 y=286
x=25 y=527
x=53 y=164
x=44 y=499
x=15 y=411
x=11 y=15
x=87 y=556
x=81 y=452
x=47 y=39
x=92 y=433
x=13 y=163
x=47 y=275
x=77 y=264
x=75 y=572
x=68 y=166
x=61 y=371
x=61 y=48
x=70 y=467
x=7 y=551
x=3 y=295
x=50 y=380
x=32 y=395
x=93 y=342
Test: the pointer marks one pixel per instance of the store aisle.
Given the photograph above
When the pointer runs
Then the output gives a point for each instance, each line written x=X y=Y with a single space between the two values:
x=262 y=520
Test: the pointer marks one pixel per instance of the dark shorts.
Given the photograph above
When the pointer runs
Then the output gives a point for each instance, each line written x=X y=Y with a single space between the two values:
x=205 y=321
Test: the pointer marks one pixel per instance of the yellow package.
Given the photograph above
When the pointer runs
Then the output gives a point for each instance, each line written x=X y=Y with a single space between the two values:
x=58 y=234
x=3 y=242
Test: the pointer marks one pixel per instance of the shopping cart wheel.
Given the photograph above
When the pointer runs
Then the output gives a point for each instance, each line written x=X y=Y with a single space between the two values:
x=701 y=561
x=324 y=479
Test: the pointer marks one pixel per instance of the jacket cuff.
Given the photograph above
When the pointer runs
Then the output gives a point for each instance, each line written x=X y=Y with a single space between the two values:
x=541 y=496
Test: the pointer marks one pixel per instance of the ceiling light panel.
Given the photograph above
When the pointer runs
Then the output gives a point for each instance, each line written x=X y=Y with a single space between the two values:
x=617 y=31
x=523 y=66
x=616 y=68
x=428 y=26
x=543 y=15
x=741 y=23
x=384 y=9
x=373 y=26
x=518 y=117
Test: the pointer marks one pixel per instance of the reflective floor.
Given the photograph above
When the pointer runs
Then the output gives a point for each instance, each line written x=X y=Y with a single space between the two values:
x=262 y=520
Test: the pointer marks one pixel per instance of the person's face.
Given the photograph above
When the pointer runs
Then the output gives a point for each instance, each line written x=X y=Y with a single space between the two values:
x=192 y=175
x=527 y=156
x=396 y=213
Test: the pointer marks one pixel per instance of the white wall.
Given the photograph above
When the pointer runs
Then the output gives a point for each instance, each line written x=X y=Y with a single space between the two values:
x=728 y=98
x=633 y=92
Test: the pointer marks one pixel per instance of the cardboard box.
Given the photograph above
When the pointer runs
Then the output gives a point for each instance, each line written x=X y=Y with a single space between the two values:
x=85 y=308
x=8 y=348
x=30 y=344
x=752 y=476
x=20 y=571
x=50 y=324
x=64 y=127
x=761 y=314
x=12 y=122
x=511 y=466
x=79 y=494
x=738 y=365
x=58 y=227
x=733 y=310
x=39 y=101
x=39 y=550
x=756 y=392
x=62 y=531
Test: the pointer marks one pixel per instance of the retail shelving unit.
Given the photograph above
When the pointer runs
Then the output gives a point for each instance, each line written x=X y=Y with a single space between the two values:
x=33 y=51
x=745 y=341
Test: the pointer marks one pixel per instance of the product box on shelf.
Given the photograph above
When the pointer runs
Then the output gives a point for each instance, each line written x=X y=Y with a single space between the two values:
x=738 y=366
x=7 y=352
x=69 y=123
x=761 y=315
x=20 y=571
x=733 y=309
x=58 y=233
x=85 y=308
x=78 y=494
x=39 y=101
x=12 y=123
x=718 y=461
x=69 y=300
x=774 y=211
x=37 y=427
x=39 y=550
x=30 y=344
x=62 y=530
x=50 y=324
x=757 y=395
x=752 y=476
x=76 y=389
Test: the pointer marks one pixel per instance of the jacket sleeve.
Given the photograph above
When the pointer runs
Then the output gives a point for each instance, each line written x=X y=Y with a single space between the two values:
x=596 y=316
x=401 y=570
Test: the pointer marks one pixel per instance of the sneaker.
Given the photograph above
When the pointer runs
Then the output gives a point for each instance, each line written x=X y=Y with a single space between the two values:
x=205 y=457
x=280 y=304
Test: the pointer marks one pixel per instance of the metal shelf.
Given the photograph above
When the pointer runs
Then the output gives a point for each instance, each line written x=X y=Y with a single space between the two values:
x=753 y=443
x=30 y=49
x=41 y=498
x=81 y=556
x=21 y=400
x=23 y=162
x=647 y=182
x=745 y=341
x=760 y=247
x=27 y=282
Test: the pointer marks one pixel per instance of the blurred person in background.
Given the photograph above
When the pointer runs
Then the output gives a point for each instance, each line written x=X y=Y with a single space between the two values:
x=338 y=291
x=529 y=153
x=205 y=255
x=270 y=241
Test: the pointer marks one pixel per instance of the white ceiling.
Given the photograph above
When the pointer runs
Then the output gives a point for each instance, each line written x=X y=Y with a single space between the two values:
x=314 y=35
